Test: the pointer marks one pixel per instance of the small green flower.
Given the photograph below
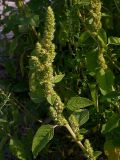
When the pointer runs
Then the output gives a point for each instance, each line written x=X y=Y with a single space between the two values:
x=96 y=14
x=89 y=150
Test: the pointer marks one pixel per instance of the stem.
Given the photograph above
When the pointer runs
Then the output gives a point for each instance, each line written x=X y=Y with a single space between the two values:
x=75 y=138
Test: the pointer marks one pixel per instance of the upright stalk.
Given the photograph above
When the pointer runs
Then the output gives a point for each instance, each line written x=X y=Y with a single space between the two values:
x=41 y=81
x=95 y=28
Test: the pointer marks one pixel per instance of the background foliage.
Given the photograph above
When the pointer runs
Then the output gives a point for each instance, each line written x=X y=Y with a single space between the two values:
x=77 y=75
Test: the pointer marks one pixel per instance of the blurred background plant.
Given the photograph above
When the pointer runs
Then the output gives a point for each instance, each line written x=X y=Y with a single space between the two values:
x=77 y=59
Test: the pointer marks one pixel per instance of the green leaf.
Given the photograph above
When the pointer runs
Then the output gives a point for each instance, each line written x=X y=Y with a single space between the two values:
x=112 y=123
x=105 y=80
x=112 y=151
x=80 y=116
x=84 y=2
x=43 y=135
x=103 y=36
x=58 y=78
x=36 y=91
x=114 y=40
x=83 y=130
x=91 y=61
x=116 y=136
x=111 y=95
x=97 y=153
x=18 y=149
x=34 y=21
x=76 y=103
x=3 y=121
x=83 y=37
x=13 y=46
x=83 y=116
x=51 y=99
x=93 y=90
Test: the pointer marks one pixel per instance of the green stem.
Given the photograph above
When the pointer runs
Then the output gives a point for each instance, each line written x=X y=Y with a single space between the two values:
x=75 y=138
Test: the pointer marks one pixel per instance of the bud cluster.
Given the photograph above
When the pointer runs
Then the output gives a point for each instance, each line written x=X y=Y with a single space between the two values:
x=74 y=123
x=95 y=10
x=96 y=14
x=89 y=150
x=41 y=69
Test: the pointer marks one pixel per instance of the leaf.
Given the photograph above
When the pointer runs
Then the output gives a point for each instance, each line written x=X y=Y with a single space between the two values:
x=43 y=135
x=18 y=149
x=84 y=2
x=3 y=121
x=91 y=61
x=83 y=37
x=111 y=95
x=97 y=153
x=76 y=103
x=83 y=130
x=34 y=21
x=105 y=80
x=116 y=136
x=58 y=78
x=112 y=152
x=114 y=40
x=51 y=99
x=112 y=123
x=36 y=91
x=103 y=35
x=93 y=90
x=83 y=116
x=13 y=46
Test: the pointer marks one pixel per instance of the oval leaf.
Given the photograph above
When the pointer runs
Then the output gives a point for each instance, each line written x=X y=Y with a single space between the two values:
x=112 y=123
x=76 y=103
x=91 y=61
x=58 y=78
x=105 y=79
x=110 y=96
x=103 y=35
x=83 y=37
x=43 y=135
x=51 y=99
x=19 y=150
x=83 y=117
x=112 y=151
x=97 y=154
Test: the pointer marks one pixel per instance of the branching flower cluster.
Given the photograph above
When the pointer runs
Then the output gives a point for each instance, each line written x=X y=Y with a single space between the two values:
x=41 y=70
x=41 y=81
